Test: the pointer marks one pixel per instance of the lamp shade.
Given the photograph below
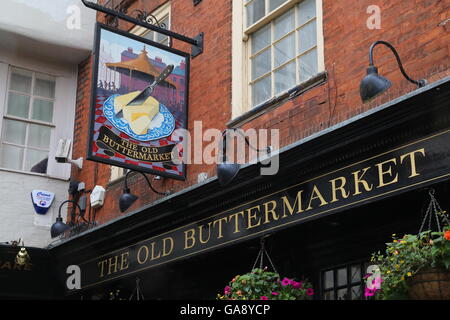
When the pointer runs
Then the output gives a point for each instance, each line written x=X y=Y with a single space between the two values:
x=226 y=172
x=373 y=84
x=126 y=200
x=58 y=227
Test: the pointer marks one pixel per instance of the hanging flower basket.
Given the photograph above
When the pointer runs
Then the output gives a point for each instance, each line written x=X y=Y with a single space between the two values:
x=261 y=284
x=415 y=266
x=429 y=284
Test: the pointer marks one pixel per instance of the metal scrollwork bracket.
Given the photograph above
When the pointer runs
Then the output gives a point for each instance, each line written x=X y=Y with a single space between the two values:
x=148 y=21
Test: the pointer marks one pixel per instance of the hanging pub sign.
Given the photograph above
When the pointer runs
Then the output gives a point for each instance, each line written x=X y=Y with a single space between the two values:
x=139 y=99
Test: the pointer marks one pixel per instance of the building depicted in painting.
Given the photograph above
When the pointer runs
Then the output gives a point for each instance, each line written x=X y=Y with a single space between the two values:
x=355 y=161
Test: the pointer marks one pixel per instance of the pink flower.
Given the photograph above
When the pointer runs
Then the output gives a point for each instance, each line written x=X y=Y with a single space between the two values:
x=275 y=293
x=227 y=290
x=369 y=292
x=264 y=298
x=297 y=285
x=377 y=283
x=286 y=282
x=309 y=292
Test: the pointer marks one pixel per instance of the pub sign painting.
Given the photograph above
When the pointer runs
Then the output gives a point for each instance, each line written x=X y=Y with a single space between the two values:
x=139 y=92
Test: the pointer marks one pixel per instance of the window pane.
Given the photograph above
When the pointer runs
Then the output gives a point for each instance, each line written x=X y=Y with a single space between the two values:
x=329 y=295
x=329 y=279
x=20 y=80
x=18 y=105
x=149 y=35
x=308 y=65
x=34 y=157
x=307 y=10
x=342 y=276
x=261 y=90
x=14 y=131
x=44 y=86
x=356 y=292
x=276 y=3
x=284 y=24
x=39 y=136
x=261 y=64
x=161 y=38
x=356 y=273
x=42 y=110
x=11 y=157
x=260 y=39
x=164 y=23
x=342 y=294
x=307 y=36
x=284 y=50
x=255 y=11
x=285 y=78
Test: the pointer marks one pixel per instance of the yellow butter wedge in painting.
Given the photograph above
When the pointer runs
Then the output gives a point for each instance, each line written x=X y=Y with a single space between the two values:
x=140 y=125
x=123 y=100
x=149 y=108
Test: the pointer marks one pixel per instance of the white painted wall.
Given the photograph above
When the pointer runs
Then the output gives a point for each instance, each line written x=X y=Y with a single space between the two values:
x=17 y=216
x=34 y=36
x=50 y=21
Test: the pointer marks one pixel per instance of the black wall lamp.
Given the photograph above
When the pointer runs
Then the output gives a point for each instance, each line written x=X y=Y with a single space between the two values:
x=60 y=227
x=127 y=198
x=373 y=84
x=226 y=170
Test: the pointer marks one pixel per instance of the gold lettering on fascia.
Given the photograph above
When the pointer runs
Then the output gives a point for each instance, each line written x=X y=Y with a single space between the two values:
x=284 y=206
x=113 y=264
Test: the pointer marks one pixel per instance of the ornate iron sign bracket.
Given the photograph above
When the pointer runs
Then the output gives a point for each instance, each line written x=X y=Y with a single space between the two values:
x=145 y=20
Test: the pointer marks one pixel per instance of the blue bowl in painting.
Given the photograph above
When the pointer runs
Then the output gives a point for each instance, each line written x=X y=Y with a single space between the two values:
x=164 y=120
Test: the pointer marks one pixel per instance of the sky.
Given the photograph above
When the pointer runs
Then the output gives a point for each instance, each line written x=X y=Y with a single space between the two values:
x=118 y=43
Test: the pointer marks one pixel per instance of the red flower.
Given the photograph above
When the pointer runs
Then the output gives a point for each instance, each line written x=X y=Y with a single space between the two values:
x=447 y=235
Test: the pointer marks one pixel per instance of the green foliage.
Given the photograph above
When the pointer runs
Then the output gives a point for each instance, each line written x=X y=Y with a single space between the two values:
x=264 y=285
x=408 y=255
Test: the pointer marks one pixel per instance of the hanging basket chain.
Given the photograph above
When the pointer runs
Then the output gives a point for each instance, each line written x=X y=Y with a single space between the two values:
x=434 y=209
x=260 y=257
x=139 y=294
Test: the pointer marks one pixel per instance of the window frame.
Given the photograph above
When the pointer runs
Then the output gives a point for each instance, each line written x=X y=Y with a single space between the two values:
x=28 y=121
x=362 y=263
x=159 y=13
x=241 y=49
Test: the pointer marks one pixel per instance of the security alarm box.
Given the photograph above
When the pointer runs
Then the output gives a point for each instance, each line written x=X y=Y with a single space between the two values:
x=97 y=196
x=42 y=200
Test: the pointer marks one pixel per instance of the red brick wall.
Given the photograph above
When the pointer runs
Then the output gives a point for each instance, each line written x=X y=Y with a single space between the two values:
x=413 y=27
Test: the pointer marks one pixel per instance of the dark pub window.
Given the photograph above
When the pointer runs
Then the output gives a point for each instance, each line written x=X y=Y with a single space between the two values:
x=344 y=282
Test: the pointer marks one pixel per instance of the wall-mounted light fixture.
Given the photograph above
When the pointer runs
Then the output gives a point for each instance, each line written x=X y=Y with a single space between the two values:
x=60 y=227
x=127 y=198
x=226 y=170
x=373 y=84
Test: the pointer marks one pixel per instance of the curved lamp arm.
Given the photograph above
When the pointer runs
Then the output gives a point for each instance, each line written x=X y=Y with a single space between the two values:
x=420 y=83
x=148 y=182
x=268 y=149
x=76 y=204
